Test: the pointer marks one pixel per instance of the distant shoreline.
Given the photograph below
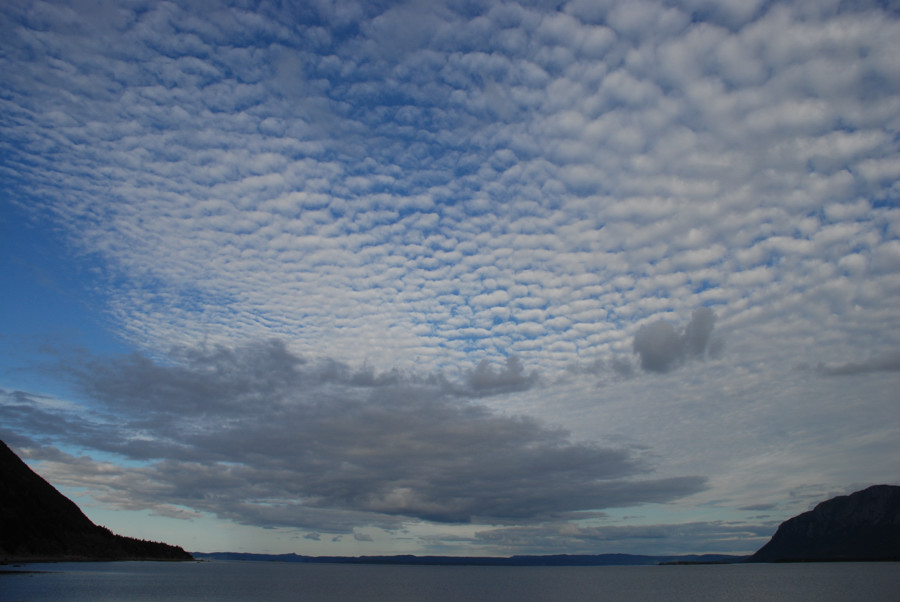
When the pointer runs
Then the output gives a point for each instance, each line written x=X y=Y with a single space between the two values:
x=570 y=560
x=560 y=560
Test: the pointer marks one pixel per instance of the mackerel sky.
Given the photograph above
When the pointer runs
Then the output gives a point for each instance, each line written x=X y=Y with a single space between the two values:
x=337 y=277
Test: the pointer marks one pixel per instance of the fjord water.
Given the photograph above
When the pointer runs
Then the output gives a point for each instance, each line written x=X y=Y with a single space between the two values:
x=234 y=580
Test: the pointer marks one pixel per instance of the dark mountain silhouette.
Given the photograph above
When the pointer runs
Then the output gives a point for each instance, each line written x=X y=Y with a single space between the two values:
x=861 y=526
x=37 y=522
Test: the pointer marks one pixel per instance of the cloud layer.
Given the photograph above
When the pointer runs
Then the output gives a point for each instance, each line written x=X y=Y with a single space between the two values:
x=510 y=179
x=488 y=244
x=260 y=436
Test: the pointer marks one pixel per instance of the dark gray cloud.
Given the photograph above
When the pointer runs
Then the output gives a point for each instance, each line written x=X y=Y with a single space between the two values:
x=662 y=348
x=487 y=380
x=889 y=362
x=701 y=536
x=698 y=332
x=362 y=536
x=622 y=366
x=659 y=346
x=261 y=436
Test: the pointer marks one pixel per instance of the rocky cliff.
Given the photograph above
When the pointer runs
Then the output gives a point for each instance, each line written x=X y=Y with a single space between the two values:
x=37 y=522
x=862 y=526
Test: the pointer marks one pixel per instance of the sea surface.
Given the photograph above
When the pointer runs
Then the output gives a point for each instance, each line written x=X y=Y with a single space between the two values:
x=236 y=580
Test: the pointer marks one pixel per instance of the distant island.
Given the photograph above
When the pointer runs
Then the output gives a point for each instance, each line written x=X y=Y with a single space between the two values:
x=863 y=526
x=39 y=524
x=536 y=560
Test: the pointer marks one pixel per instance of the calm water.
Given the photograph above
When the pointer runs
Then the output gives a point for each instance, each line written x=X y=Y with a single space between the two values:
x=224 y=581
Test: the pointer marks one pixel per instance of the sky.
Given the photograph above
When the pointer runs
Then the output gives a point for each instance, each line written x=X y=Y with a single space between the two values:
x=463 y=278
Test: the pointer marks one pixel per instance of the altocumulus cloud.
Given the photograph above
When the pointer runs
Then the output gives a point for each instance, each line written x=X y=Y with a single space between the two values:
x=531 y=178
x=262 y=436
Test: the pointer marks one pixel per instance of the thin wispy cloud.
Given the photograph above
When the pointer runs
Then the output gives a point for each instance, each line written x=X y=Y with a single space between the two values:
x=477 y=232
x=885 y=363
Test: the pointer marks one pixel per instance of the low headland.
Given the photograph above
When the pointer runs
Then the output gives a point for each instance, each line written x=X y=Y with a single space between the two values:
x=39 y=524
x=860 y=527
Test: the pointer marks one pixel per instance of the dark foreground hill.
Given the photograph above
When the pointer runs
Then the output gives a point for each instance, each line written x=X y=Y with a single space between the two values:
x=862 y=526
x=37 y=522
